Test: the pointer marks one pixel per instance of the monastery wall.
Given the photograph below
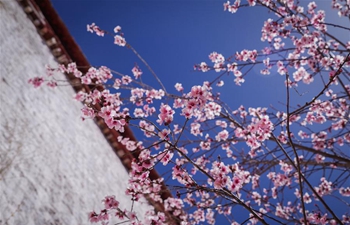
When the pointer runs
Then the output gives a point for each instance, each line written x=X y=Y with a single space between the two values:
x=54 y=167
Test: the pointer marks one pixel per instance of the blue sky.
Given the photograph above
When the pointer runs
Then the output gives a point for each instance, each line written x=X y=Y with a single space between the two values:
x=172 y=36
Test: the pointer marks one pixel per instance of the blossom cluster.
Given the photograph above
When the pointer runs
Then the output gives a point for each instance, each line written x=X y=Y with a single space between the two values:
x=250 y=157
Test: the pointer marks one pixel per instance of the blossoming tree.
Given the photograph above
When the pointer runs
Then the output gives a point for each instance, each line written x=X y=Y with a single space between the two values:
x=273 y=166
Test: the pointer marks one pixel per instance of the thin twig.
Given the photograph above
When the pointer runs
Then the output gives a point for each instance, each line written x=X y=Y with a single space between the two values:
x=295 y=152
x=148 y=67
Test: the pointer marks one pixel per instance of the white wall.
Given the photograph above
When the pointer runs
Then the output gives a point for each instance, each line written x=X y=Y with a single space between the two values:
x=54 y=168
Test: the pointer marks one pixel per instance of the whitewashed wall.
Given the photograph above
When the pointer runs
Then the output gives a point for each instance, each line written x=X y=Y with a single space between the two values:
x=54 y=168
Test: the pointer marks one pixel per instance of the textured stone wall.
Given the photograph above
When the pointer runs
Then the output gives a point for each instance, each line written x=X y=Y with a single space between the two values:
x=54 y=168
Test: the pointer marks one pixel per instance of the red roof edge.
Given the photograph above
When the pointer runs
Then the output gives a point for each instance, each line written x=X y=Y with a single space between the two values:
x=62 y=45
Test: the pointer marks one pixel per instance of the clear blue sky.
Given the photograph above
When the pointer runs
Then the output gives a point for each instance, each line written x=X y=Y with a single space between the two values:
x=172 y=36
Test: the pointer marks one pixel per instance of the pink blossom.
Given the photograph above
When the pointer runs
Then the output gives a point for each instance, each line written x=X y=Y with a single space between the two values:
x=166 y=114
x=94 y=217
x=179 y=87
x=345 y=191
x=36 y=81
x=203 y=67
x=93 y=28
x=164 y=134
x=119 y=40
x=307 y=198
x=126 y=80
x=52 y=84
x=117 y=29
x=220 y=83
x=88 y=112
x=137 y=72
